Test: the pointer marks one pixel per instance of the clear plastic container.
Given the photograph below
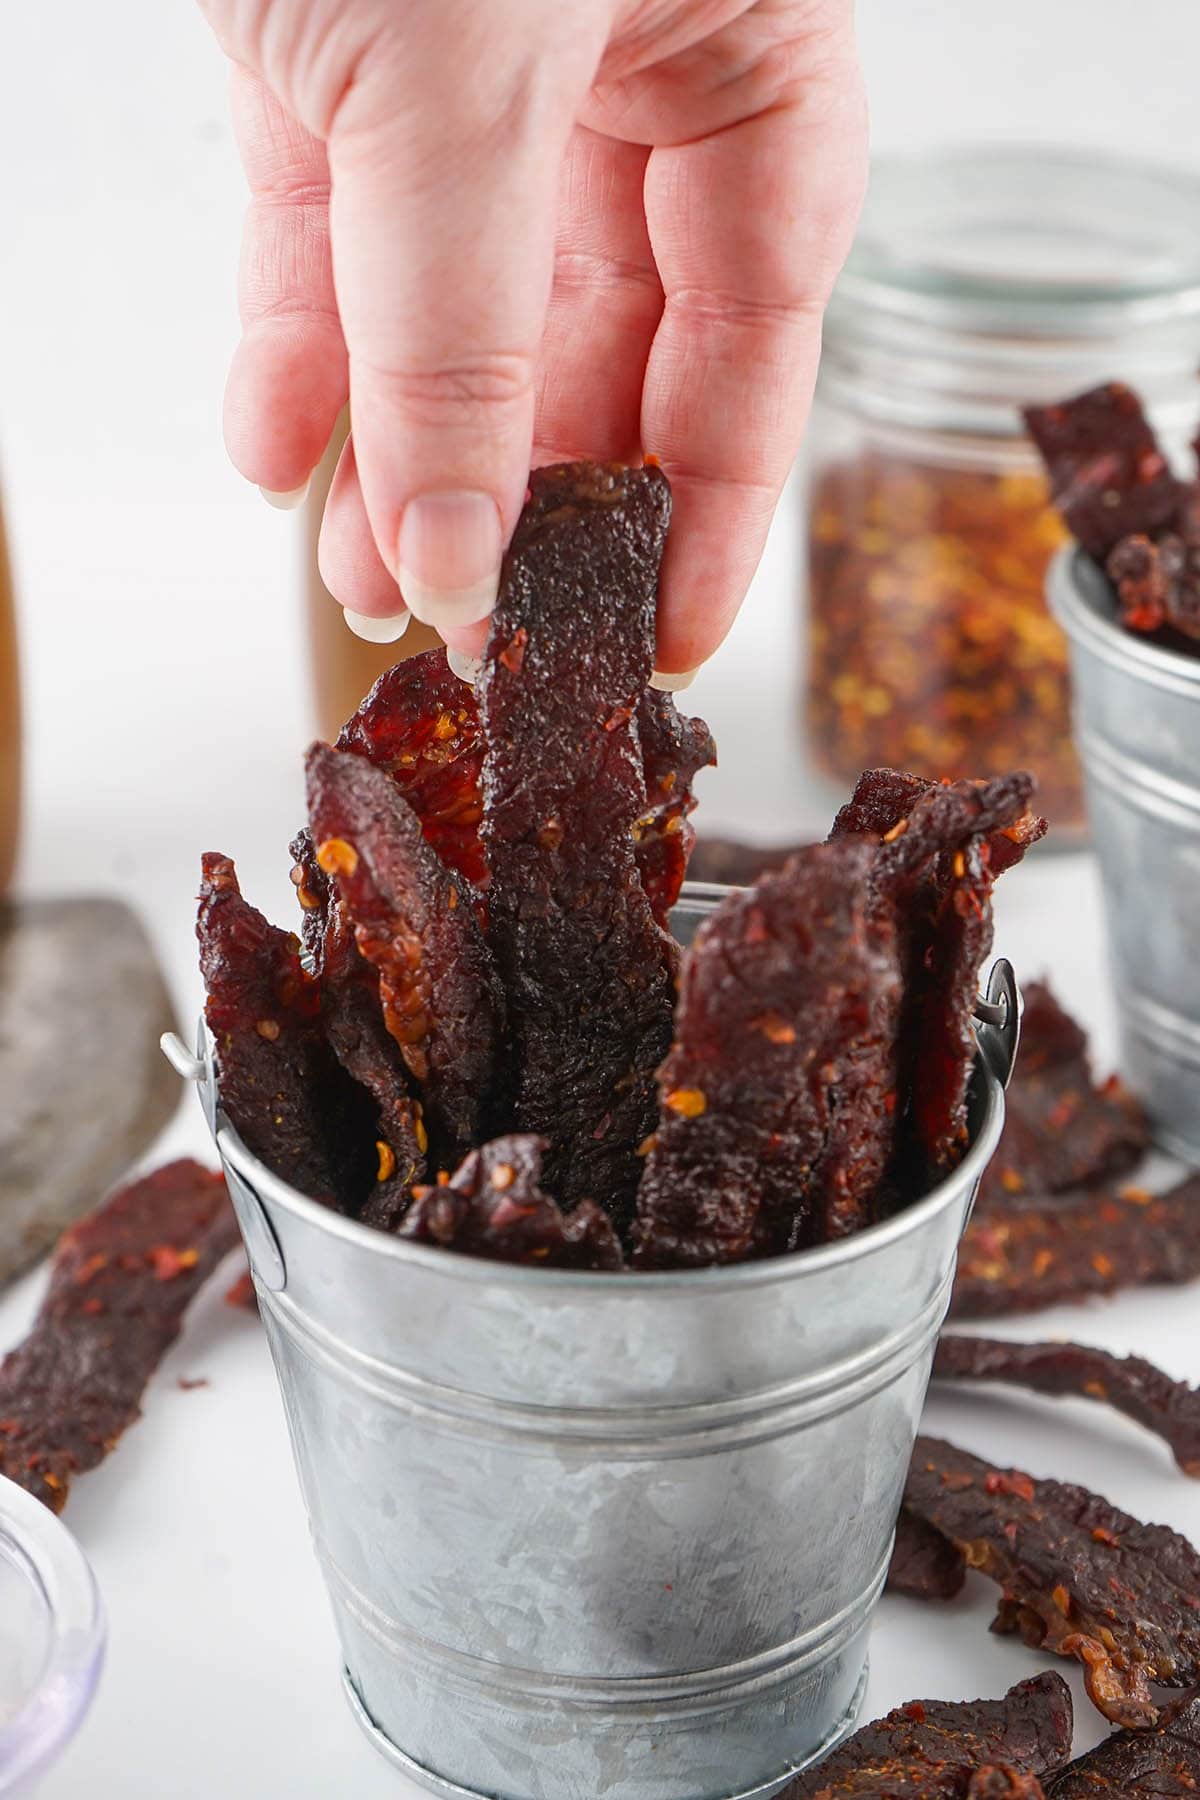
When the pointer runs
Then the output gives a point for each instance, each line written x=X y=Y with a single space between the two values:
x=979 y=282
x=51 y=1638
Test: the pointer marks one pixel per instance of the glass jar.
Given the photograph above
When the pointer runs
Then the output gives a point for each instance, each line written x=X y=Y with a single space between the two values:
x=979 y=282
x=10 y=722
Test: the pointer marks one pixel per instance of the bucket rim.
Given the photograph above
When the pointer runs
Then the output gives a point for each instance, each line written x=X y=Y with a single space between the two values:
x=1082 y=600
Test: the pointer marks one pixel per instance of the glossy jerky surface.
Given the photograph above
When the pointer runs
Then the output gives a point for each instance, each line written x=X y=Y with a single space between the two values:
x=587 y=972
x=1078 y=1577
x=1108 y=476
x=1163 y=1764
x=1034 y=1251
x=778 y=1109
x=1129 y=1384
x=493 y=1206
x=1061 y=1129
x=120 y=1283
x=674 y=750
x=929 y=1749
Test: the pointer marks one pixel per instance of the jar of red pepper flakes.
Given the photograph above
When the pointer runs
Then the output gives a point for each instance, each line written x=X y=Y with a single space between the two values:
x=979 y=281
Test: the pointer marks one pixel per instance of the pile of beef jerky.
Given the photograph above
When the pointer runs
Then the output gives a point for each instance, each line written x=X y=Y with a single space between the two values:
x=491 y=1040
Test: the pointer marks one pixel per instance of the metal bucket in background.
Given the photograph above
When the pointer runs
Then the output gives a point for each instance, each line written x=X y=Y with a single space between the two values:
x=594 y=1535
x=1137 y=726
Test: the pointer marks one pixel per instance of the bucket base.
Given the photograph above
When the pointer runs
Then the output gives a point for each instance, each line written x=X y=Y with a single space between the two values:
x=450 y=1790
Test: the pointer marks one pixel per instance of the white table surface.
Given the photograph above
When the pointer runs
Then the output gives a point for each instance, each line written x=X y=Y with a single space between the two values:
x=167 y=713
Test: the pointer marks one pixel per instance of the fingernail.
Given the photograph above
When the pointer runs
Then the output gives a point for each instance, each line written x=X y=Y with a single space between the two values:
x=464 y=666
x=285 y=501
x=673 y=684
x=376 y=630
x=448 y=557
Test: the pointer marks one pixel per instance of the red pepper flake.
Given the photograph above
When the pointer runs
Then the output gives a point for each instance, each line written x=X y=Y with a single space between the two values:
x=513 y=653
x=168 y=1262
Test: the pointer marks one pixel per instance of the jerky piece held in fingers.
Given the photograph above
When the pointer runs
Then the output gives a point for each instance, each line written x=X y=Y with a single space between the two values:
x=924 y=1565
x=1034 y=1250
x=120 y=1283
x=778 y=1099
x=588 y=973
x=1108 y=476
x=420 y=724
x=1129 y=1384
x=929 y=1749
x=1078 y=1577
x=674 y=750
x=413 y=925
x=1060 y=1129
x=1163 y=1764
x=493 y=1206
x=281 y=1087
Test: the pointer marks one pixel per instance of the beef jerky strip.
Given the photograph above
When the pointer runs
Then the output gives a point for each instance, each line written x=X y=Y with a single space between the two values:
x=778 y=1102
x=588 y=973
x=441 y=1002
x=120 y=1283
x=1032 y=1252
x=1002 y=1782
x=1061 y=1131
x=1159 y=583
x=421 y=725
x=281 y=1087
x=1163 y=1764
x=728 y=863
x=493 y=1206
x=929 y=1749
x=1171 y=1409
x=1108 y=476
x=353 y=1022
x=674 y=750
x=1077 y=1576
x=924 y=1565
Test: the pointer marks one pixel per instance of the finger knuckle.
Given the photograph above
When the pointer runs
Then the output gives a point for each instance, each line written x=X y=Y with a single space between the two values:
x=458 y=392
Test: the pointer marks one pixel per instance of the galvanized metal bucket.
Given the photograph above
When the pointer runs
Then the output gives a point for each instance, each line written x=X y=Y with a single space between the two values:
x=596 y=1535
x=1137 y=725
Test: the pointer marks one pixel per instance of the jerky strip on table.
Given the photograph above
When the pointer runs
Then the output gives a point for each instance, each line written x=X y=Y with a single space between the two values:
x=1129 y=1384
x=420 y=724
x=674 y=750
x=924 y=1565
x=1163 y=1764
x=1035 y=1251
x=415 y=927
x=929 y=1749
x=281 y=1087
x=1078 y=1577
x=1108 y=475
x=493 y=1206
x=120 y=1283
x=588 y=973
x=778 y=1099
x=1060 y=1130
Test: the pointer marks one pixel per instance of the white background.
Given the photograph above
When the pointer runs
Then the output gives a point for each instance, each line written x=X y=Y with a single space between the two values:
x=166 y=714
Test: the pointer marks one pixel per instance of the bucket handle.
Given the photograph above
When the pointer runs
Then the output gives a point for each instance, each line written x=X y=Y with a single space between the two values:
x=998 y=1021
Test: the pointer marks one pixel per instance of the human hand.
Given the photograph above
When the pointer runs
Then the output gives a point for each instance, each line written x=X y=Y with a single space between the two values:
x=516 y=232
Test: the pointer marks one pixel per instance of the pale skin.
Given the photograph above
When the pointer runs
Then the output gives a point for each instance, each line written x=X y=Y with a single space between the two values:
x=512 y=232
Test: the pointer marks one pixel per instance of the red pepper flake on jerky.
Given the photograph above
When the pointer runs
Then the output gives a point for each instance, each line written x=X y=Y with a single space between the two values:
x=1060 y=1131
x=930 y=1749
x=674 y=750
x=120 y=1284
x=1108 y=475
x=1158 y=583
x=1163 y=1764
x=1004 y=1783
x=588 y=973
x=1035 y=1251
x=1129 y=1384
x=778 y=1099
x=493 y=1206
x=1077 y=1576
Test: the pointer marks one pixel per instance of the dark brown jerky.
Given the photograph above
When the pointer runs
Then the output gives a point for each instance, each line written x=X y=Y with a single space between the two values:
x=1129 y=1384
x=929 y=1749
x=924 y=1564
x=420 y=723
x=728 y=863
x=242 y=1292
x=1163 y=1764
x=414 y=926
x=1077 y=1576
x=778 y=1104
x=1033 y=1251
x=494 y=1206
x=281 y=1087
x=587 y=971
x=1061 y=1130
x=1002 y=1782
x=120 y=1283
x=1108 y=476
x=1159 y=583
x=674 y=750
